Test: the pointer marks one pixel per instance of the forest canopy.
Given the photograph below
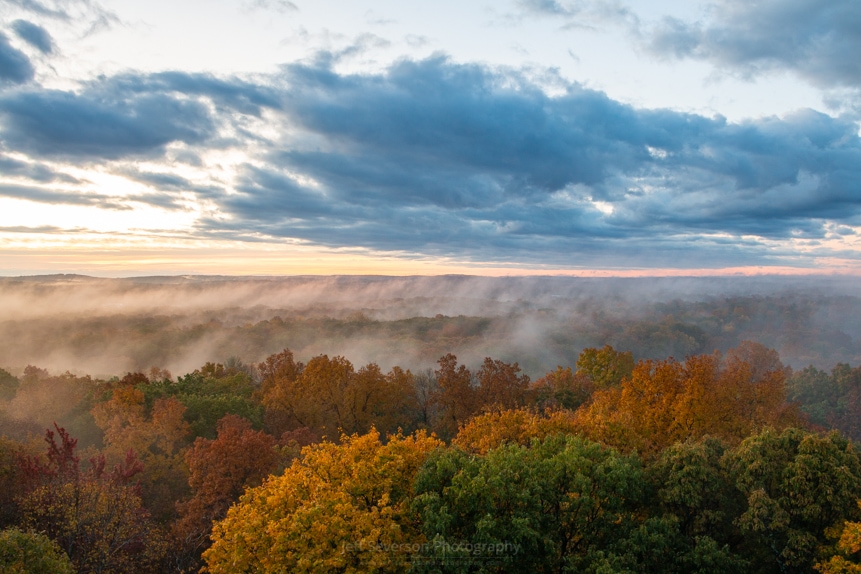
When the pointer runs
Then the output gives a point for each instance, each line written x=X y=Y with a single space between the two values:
x=723 y=458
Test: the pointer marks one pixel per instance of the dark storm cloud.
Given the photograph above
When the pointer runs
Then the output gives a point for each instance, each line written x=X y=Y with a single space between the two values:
x=818 y=40
x=34 y=35
x=15 y=67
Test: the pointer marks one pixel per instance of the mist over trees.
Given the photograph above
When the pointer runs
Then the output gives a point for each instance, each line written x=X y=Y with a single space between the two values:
x=106 y=326
x=691 y=450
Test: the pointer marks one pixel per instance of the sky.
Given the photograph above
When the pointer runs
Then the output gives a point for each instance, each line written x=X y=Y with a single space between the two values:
x=506 y=137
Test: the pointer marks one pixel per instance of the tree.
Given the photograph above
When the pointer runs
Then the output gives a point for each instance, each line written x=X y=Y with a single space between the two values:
x=329 y=396
x=848 y=546
x=798 y=486
x=521 y=426
x=562 y=388
x=31 y=553
x=606 y=367
x=278 y=374
x=219 y=472
x=560 y=505
x=8 y=385
x=501 y=384
x=341 y=507
x=664 y=402
x=96 y=517
x=457 y=397
x=158 y=437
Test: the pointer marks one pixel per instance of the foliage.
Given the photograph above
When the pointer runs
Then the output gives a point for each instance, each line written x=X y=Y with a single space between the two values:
x=605 y=367
x=798 y=486
x=560 y=505
x=219 y=471
x=830 y=399
x=664 y=402
x=519 y=426
x=97 y=518
x=208 y=394
x=341 y=507
x=848 y=548
x=158 y=437
x=456 y=397
x=31 y=553
x=8 y=385
x=329 y=396
x=562 y=388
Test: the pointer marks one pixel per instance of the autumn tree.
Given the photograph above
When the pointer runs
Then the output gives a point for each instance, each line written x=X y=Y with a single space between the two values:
x=219 y=472
x=278 y=375
x=96 y=516
x=158 y=437
x=457 y=396
x=340 y=507
x=501 y=384
x=664 y=402
x=848 y=557
x=521 y=426
x=425 y=391
x=329 y=396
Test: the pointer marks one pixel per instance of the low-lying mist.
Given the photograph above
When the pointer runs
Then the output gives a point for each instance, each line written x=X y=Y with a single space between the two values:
x=107 y=327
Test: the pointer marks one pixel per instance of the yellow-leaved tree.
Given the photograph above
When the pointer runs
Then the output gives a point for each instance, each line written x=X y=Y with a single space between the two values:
x=341 y=507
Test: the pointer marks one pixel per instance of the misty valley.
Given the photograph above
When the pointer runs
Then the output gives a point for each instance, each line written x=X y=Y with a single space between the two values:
x=430 y=424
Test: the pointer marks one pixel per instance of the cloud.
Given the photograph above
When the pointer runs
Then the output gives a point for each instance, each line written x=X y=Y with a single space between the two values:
x=451 y=159
x=10 y=167
x=442 y=159
x=34 y=35
x=40 y=8
x=578 y=13
x=817 y=40
x=57 y=123
x=54 y=196
x=15 y=67
x=275 y=5
x=126 y=115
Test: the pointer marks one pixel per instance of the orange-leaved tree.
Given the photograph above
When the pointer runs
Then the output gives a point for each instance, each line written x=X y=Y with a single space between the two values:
x=219 y=472
x=664 y=402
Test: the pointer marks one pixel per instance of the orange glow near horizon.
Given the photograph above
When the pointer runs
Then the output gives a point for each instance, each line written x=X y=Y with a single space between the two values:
x=267 y=262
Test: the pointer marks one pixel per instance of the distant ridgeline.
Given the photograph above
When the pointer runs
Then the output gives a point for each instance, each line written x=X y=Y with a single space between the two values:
x=718 y=462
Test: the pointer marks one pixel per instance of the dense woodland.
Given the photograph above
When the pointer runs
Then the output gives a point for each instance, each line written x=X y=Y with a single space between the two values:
x=422 y=424
x=721 y=462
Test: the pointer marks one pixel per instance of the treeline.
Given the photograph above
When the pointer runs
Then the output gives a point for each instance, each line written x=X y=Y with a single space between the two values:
x=718 y=463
